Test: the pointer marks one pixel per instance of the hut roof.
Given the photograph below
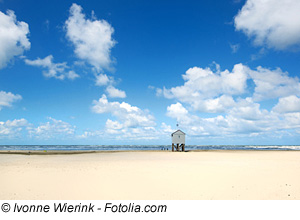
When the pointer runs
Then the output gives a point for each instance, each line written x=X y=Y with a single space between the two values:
x=178 y=131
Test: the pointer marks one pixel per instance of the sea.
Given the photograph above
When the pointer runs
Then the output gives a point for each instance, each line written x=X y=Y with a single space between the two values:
x=146 y=147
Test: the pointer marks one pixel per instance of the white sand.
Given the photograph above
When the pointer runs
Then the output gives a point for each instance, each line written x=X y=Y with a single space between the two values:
x=152 y=175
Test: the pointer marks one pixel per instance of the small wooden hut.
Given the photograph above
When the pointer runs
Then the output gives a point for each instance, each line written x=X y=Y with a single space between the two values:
x=178 y=140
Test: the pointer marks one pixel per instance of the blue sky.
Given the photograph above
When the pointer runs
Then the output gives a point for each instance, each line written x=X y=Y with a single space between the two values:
x=126 y=72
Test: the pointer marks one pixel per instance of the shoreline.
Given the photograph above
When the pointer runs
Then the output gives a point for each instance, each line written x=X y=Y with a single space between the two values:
x=117 y=148
x=70 y=152
x=66 y=152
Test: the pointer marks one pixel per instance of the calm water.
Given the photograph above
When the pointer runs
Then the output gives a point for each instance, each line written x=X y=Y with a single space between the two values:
x=144 y=147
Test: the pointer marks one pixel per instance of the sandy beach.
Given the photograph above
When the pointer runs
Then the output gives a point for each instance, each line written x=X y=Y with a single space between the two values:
x=152 y=175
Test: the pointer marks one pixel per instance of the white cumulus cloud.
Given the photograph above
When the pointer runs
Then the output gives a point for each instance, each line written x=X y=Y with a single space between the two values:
x=271 y=23
x=115 y=93
x=111 y=90
x=12 y=129
x=13 y=37
x=132 y=123
x=55 y=70
x=205 y=89
x=176 y=110
x=7 y=98
x=242 y=102
x=52 y=129
x=270 y=84
x=103 y=80
x=247 y=109
x=219 y=104
x=91 y=38
x=288 y=104
x=130 y=116
x=211 y=91
x=204 y=83
x=247 y=118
